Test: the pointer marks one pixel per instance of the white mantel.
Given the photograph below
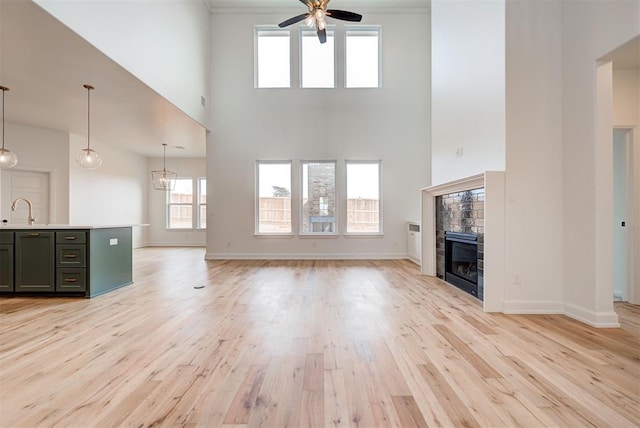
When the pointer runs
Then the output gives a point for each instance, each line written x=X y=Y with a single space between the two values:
x=494 y=231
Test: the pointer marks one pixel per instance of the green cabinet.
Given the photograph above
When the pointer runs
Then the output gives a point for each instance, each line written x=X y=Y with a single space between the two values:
x=34 y=261
x=6 y=261
x=71 y=261
x=65 y=262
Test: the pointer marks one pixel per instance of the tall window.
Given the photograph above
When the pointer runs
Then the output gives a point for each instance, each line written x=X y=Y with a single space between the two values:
x=272 y=58
x=273 y=204
x=317 y=62
x=319 y=197
x=202 y=203
x=363 y=197
x=362 y=57
x=180 y=205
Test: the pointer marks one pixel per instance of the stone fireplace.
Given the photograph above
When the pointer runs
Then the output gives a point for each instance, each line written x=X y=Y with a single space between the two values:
x=460 y=240
x=473 y=206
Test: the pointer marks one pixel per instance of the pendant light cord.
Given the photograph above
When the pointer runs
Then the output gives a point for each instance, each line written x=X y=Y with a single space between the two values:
x=3 y=91
x=89 y=88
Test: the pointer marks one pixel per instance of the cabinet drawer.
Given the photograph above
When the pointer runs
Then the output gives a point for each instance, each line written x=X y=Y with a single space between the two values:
x=6 y=238
x=71 y=255
x=71 y=237
x=71 y=279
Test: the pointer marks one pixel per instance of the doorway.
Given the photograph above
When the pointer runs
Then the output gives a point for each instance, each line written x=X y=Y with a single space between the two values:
x=623 y=203
x=33 y=185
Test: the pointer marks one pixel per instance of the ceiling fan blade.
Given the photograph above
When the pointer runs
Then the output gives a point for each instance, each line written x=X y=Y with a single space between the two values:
x=344 y=15
x=293 y=20
x=322 y=35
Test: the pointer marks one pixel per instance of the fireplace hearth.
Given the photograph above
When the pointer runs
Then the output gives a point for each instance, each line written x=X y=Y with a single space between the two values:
x=461 y=261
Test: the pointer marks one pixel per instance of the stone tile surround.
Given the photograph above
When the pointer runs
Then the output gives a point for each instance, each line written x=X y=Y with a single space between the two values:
x=460 y=212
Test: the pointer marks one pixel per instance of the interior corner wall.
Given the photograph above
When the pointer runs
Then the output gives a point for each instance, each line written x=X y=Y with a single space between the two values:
x=158 y=234
x=389 y=124
x=468 y=88
x=44 y=150
x=114 y=194
x=534 y=198
x=165 y=44
x=590 y=30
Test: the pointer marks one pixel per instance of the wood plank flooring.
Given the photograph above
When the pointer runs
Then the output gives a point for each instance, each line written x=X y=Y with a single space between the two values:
x=305 y=343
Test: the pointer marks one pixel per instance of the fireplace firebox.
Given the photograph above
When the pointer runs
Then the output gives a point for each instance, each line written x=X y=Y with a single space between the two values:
x=461 y=261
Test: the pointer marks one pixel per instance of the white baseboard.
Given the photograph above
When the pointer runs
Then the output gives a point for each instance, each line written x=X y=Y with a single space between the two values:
x=532 y=307
x=607 y=319
x=176 y=244
x=304 y=256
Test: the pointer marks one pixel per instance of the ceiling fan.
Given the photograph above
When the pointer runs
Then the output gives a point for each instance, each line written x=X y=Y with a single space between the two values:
x=316 y=17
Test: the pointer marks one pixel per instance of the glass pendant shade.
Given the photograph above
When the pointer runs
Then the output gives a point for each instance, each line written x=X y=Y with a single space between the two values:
x=89 y=159
x=163 y=179
x=8 y=159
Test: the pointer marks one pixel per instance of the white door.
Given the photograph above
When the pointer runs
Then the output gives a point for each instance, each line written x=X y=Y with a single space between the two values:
x=24 y=184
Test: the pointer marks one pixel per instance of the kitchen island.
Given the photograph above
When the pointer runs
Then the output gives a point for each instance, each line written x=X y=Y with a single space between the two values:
x=64 y=260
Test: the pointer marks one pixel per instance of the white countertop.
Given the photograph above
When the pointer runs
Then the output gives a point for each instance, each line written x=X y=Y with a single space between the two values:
x=64 y=226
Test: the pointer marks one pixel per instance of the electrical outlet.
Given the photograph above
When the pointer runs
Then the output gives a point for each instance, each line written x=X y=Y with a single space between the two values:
x=516 y=279
x=460 y=152
x=228 y=244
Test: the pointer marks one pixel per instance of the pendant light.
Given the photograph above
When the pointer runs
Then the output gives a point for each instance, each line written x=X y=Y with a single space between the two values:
x=88 y=158
x=163 y=179
x=8 y=159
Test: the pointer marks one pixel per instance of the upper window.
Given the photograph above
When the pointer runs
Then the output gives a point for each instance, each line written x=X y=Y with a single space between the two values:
x=363 y=197
x=180 y=205
x=272 y=58
x=273 y=204
x=317 y=60
x=362 y=57
x=319 y=197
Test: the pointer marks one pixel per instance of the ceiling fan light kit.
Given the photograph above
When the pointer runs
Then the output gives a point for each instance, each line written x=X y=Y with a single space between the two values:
x=315 y=18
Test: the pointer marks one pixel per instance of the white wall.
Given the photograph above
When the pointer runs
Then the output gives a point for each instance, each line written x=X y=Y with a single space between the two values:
x=390 y=123
x=626 y=98
x=468 y=94
x=158 y=233
x=534 y=198
x=43 y=150
x=165 y=44
x=114 y=194
x=590 y=30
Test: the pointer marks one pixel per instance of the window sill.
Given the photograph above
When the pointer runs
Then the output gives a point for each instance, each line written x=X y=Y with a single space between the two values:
x=318 y=236
x=363 y=235
x=274 y=235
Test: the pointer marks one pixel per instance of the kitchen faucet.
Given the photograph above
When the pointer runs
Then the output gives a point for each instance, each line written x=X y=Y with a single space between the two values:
x=32 y=218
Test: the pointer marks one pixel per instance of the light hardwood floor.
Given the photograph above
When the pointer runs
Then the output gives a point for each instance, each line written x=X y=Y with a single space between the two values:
x=305 y=343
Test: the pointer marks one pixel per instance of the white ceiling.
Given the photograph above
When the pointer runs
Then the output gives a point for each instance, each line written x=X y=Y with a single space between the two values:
x=45 y=65
x=335 y=4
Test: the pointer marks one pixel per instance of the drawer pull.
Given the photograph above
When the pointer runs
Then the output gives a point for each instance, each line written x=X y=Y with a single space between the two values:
x=70 y=280
x=70 y=256
x=33 y=234
x=70 y=238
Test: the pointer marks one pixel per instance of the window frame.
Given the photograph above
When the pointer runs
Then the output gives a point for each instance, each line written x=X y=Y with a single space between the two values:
x=363 y=29
x=378 y=162
x=257 y=232
x=336 y=208
x=305 y=31
x=199 y=204
x=169 y=204
x=275 y=32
